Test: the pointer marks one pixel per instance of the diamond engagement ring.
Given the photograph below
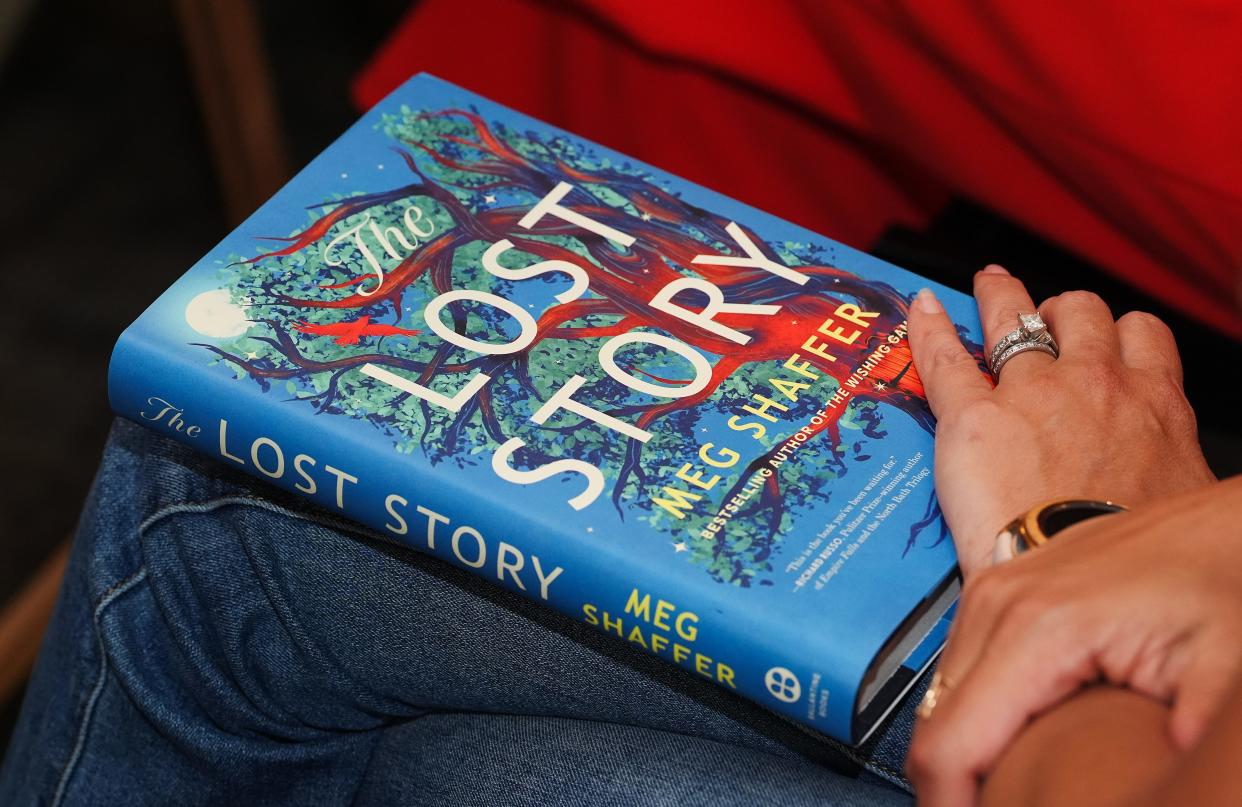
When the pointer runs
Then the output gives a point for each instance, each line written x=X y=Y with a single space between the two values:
x=1031 y=334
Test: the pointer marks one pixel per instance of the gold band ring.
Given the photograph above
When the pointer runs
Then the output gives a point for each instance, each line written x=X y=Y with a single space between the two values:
x=940 y=686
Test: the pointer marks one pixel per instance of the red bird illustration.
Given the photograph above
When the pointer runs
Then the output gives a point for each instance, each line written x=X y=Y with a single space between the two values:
x=351 y=333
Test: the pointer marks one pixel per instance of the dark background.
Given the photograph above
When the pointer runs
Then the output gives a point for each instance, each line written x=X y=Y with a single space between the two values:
x=108 y=193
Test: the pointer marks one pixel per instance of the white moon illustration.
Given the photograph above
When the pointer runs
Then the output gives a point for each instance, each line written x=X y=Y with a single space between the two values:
x=213 y=314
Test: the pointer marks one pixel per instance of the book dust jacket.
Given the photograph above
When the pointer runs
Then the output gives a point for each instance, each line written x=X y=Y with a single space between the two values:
x=681 y=420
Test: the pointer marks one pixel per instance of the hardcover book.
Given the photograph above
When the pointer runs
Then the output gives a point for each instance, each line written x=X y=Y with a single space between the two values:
x=683 y=421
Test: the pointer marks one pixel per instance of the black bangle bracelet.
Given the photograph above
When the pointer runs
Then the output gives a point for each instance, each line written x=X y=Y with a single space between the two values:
x=1035 y=527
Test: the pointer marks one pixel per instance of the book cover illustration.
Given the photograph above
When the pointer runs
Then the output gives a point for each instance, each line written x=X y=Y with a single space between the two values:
x=553 y=364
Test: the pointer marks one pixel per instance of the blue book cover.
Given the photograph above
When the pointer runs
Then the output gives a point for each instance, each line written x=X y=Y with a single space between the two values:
x=688 y=423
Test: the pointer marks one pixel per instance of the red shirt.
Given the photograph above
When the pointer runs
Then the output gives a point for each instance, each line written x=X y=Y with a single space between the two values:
x=1112 y=130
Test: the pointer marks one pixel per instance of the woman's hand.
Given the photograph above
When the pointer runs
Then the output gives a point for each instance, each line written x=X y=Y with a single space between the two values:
x=1150 y=599
x=1106 y=420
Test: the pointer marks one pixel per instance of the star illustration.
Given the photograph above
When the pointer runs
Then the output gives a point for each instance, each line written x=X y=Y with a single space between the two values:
x=645 y=217
x=344 y=176
x=252 y=355
x=590 y=529
x=881 y=385
x=380 y=167
x=836 y=280
x=680 y=546
x=490 y=199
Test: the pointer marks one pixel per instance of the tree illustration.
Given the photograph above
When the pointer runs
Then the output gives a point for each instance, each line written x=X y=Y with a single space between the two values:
x=320 y=311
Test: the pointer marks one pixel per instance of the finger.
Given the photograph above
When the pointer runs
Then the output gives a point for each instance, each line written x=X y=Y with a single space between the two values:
x=1001 y=298
x=1204 y=686
x=1023 y=670
x=934 y=784
x=951 y=377
x=984 y=598
x=1148 y=344
x=1083 y=326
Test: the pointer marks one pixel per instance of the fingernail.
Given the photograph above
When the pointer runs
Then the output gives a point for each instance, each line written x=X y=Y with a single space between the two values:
x=927 y=302
x=995 y=269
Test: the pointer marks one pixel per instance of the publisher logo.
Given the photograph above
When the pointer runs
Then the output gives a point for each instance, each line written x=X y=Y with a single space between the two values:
x=783 y=684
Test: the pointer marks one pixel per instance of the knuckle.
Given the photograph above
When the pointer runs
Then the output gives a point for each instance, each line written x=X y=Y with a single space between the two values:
x=1080 y=299
x=1144 y=319
x=1060 y=307
x=1049 y=307
x=1172 y=408
x=1167 y=397
x=1183 y=419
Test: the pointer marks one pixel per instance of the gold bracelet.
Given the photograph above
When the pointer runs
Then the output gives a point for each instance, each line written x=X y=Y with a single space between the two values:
x=1035 y=527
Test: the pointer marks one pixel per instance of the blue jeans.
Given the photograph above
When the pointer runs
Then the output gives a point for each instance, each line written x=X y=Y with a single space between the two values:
x=218 y=641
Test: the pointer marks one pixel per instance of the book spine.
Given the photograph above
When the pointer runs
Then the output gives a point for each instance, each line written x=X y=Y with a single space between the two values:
x=603 y=584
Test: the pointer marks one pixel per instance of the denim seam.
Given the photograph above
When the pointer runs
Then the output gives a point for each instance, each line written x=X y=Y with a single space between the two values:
x=108 y=597
x=896 y=778
x=224 y=501
x=214 y=504
x=127 y=583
